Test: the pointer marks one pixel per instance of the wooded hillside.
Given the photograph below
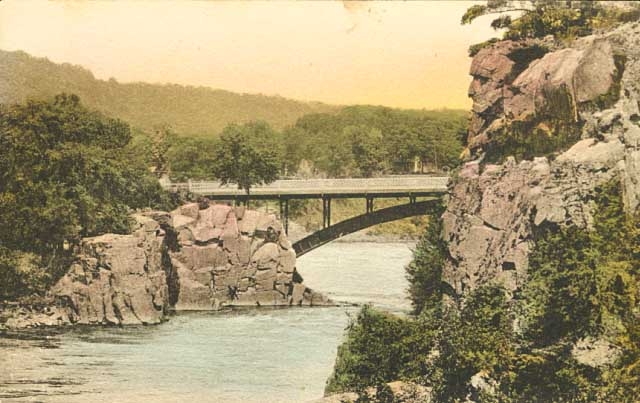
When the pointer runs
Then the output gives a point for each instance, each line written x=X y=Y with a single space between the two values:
x=187 y=110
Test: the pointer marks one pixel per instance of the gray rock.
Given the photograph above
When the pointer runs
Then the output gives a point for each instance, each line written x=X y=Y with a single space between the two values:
x=117 y=279
x=252 y=257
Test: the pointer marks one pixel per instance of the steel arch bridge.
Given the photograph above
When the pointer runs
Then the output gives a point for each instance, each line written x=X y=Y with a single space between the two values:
x=428 y=188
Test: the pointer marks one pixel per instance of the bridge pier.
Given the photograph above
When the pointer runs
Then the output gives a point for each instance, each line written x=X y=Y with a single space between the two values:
x=369 y=204
x=284 y=214
x=326 y=212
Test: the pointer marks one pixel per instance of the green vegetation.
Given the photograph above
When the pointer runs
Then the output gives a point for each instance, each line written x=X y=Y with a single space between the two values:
x=189 y=111
x=178 y=127
x=539 y=18
x=66 y=172
x=425 y=270
x=368 y=140
x=583 y=285
x=247 y=155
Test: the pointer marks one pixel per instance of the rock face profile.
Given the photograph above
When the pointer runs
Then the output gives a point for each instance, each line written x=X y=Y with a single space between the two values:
x=202 y=256
x=234 y=256
x=494 y=208
x=522 y=81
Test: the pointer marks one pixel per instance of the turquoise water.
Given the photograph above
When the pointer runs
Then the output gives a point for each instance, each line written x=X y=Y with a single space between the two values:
x=256 y=355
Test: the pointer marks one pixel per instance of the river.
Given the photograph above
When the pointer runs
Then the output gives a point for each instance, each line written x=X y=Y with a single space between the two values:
x=253 y=355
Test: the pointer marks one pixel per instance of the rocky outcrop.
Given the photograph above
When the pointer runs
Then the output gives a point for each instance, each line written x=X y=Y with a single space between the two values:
x=497 y=207
x=493 y=209
x=402 y=392
x=535 y=81
x=118 y=279
x=201 y=256
x=234 y=256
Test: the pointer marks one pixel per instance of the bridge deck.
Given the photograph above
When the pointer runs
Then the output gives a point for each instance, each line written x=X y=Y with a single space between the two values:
x=315 y=188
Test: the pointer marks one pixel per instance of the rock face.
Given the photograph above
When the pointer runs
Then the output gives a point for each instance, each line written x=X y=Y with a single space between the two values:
x=520 y=81
x=493 y=210
x=199 y=257
x=118 y=279
x=403 y=392
x=233 y=256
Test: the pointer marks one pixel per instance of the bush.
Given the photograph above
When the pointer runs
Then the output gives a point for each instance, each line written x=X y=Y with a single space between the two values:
x=425 y=270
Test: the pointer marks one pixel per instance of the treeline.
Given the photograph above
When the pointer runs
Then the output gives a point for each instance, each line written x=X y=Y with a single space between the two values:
x=66 y=172
x=358 y=141
x=368 y=140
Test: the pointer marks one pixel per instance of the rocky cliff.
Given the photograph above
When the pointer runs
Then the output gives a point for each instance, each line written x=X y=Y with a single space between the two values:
x=550 y=124
x=201 y=256
x=233 y=256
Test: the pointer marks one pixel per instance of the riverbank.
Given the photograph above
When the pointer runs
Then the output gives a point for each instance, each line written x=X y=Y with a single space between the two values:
x=264 y=355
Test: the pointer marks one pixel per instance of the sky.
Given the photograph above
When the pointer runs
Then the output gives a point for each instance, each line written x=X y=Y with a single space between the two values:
x=399 y=54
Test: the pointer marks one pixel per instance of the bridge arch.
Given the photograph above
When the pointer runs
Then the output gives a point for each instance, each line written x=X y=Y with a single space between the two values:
x=371 y=218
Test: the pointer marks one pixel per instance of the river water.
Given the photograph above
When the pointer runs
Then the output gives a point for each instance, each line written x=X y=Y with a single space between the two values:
x=255 y=355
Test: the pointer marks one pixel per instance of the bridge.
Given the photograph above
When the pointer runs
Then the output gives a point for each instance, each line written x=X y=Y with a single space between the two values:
x=429 y=188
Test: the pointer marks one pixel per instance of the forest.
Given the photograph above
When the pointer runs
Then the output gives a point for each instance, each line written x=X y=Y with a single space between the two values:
x=357 y=141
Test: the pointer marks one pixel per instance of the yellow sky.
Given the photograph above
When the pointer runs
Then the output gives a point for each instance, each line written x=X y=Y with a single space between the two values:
x=401 y=54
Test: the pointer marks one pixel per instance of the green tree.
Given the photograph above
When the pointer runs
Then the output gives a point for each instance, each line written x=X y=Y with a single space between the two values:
x=66 y=172
x=425 y=270
x=162 y=140
x=248 y=155
x=367 y=149
x=539 y=18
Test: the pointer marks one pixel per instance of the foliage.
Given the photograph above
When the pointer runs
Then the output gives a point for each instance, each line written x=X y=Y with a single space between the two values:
x=381 y=347
x=21 y=273
x=375 y=352
x=192 y=158
x=583 y=284
x=247 y=155
x=473 y=339
x=368 y=140
x=66 y=172
x=596 y=270
x=366 y=148
x=425 y=270
x=539 y=18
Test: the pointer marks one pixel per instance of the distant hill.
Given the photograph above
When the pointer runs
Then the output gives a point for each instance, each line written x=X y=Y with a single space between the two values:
x=188 y=110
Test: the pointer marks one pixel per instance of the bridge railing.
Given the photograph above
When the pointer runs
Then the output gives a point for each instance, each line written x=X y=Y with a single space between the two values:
x=395 y=183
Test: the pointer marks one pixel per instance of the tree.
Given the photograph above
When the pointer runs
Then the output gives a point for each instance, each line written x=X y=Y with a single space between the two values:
x=162 y=140
x=367 y=150
x=65 y=173
x=539 y=18
x=248 y=155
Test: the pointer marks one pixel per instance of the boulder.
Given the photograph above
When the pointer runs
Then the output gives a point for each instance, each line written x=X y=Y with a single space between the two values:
x=237 y=256
x=200 y=256
x=117 y=279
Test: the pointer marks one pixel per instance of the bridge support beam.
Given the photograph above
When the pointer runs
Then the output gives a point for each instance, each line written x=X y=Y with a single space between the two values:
x=369 y=205
x=326 y=212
